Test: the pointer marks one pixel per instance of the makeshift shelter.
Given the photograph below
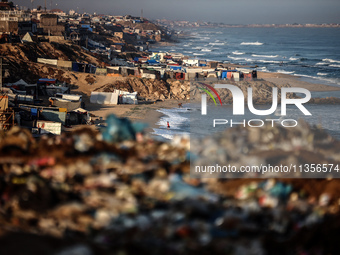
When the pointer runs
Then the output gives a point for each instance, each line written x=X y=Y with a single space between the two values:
x=53 y=62
x=175 y=68
x=49 y=127
x=53 y=115
x=224 y=73
x=64 y=64
x=127 y=97
x=64 y=103
x=28 y=37
x=104 y=98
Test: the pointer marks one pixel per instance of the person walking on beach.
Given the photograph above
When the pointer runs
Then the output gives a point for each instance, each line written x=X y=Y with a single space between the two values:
x=168 y=125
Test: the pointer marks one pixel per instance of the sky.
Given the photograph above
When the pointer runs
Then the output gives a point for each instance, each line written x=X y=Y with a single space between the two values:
x=225 y=11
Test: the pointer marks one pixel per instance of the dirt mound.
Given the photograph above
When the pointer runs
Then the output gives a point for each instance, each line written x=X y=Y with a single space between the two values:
x=150 y=89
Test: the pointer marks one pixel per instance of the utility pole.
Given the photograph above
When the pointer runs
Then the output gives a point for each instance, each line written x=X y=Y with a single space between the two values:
x=0 y=73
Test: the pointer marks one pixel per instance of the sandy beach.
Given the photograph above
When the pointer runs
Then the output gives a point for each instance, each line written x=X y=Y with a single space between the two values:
x=147 y=111
x=294 y=81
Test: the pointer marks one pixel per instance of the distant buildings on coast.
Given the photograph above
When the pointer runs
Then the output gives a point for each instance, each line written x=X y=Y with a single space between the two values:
x=182 y=23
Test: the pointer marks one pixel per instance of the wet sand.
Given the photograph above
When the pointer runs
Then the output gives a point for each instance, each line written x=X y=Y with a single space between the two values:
x=146 y=113
x=294 y=81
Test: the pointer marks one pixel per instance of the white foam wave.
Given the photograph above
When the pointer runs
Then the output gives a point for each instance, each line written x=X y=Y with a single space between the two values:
x=217 y=43
x=175 y=121
x=332 y=81
x=330 y=60
x=262 y=69
x=269 y=61
x=321 y=74
x=321 y=64
x=265 y=56
x=238 y=53
x=204 y=38
x=207 y=50
x=236 y=58
x=335 y=66
x=251 y=43
x=293 y=59
x=199 y=54
x=285 y=72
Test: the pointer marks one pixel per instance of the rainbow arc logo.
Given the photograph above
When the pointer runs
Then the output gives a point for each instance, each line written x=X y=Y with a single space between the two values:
x=209 y=93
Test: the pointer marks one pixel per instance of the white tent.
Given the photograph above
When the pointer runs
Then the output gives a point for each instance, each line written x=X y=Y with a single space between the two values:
x=27 y=37
x=104 y=98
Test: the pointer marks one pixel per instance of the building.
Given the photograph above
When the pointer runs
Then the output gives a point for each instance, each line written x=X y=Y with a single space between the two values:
x=10 y=18
x=49 y=24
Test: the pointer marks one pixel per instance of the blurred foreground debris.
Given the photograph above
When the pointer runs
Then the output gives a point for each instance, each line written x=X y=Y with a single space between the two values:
x=78 y=194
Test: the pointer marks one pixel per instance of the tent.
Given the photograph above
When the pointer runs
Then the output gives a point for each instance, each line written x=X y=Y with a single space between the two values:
x=20 y=82
x=28 y=37
x=104 y=98
x=175 y=68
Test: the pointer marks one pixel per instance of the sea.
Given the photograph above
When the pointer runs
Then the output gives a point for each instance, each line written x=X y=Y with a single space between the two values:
x=312 y=54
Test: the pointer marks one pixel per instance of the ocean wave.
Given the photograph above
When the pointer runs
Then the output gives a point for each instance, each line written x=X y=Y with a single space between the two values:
x=217 y=43
x=333 y=81
x=269 y=61
x=335 y=66
x=204 y=38
x=265 y=56
x=330 y=60
x=199 y=54
x=321 y=74
x=262 y=69
x=251 y=43
x=285 y=72
x=208 y=50
x=293 y=59
x=238 y=53
x=321 y=64
x=190 y=52
x=236 y=58
x=173 y=116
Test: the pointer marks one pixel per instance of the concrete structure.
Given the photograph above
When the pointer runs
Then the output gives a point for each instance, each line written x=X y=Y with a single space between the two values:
x=49 y=24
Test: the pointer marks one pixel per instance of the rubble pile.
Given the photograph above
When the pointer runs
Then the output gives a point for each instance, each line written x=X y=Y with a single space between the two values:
x=247 y=146
x=21 y=60
x=89 y=192
x=151 y=89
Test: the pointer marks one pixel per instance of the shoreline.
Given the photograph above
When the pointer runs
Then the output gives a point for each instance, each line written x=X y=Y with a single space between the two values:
x=295 y=81
x=146 y=113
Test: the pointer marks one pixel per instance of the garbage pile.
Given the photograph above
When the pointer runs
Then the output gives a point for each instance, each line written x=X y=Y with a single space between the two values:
x=297 y=151
x=81 y=194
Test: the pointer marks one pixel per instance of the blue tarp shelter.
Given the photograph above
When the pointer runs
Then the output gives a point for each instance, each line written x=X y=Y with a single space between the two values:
x=152 y=62
x=224 y=74
x=175 y=68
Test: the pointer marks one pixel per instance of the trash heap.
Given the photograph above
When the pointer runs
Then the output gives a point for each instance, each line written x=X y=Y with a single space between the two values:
x=276 y=146
x=86 y=192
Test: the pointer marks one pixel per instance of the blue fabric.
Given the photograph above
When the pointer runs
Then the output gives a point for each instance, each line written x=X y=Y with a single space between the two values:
x=34 y=112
